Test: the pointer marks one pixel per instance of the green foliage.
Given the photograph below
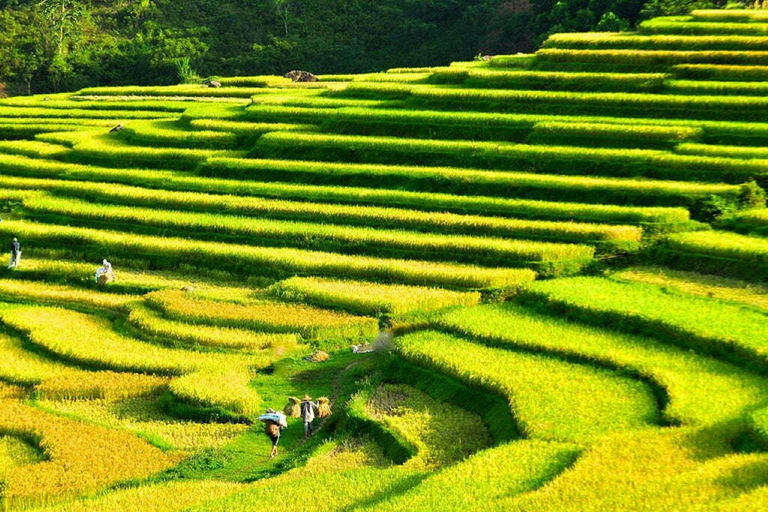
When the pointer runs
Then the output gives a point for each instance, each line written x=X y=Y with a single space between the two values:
x=85 y=43
x=751 y=196
x=676 y=7
x=184 y=70
x=739 y=335
x=711 y=208
x=609 y=22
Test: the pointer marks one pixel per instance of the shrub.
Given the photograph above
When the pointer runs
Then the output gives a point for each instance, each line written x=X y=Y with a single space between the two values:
x=751 y=196
x=711 y=208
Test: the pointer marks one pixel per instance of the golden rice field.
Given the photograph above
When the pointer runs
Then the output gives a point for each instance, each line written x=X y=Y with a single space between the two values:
x=527 y=283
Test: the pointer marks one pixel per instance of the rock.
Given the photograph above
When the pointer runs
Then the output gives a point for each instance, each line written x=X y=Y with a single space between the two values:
x=301 y=76
x=215 y=84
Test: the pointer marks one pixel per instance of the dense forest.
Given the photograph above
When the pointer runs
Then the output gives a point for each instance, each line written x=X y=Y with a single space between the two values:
x=59 y=45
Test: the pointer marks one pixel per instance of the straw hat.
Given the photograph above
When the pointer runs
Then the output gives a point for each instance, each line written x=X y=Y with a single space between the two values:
x=307 y=398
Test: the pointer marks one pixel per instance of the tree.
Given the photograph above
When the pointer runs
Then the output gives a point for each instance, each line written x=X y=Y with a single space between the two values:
x=283 y=13
x=63 y=17
x=22 y=46
x=611 y=23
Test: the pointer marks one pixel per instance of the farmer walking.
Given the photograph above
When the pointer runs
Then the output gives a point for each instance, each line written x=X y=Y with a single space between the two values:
x=274 y=423
x=15 y=254
x=308 y=408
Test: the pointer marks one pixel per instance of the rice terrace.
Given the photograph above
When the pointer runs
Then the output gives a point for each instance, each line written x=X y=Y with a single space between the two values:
x=530 y=282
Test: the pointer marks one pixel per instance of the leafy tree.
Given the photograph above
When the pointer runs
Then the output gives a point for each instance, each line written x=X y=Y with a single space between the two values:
x=611 y=23
x=677 y=7
x=63 y=17
x=22 y=47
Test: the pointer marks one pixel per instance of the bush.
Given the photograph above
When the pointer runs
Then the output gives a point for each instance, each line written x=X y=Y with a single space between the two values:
x=751 y=196
x=611 y=23
x=711 y=208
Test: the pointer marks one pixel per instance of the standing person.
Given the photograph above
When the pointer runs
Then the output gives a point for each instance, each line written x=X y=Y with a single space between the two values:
x=308 y=408
x=274 y=423
x=15 y=254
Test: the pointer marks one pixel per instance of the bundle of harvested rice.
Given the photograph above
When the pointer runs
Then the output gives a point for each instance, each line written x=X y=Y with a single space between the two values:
x=319 y=357
x=324 y=407
x=293 y=409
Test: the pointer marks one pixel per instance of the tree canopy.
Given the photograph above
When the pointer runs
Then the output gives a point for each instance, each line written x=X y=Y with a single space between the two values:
x=51 y=45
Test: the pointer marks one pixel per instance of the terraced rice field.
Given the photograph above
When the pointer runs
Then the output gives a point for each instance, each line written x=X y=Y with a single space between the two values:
x=553 y=268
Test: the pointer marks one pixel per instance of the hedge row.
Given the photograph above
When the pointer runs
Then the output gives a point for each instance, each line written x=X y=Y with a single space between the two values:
x=721 y=72
x=323 y=237
x=541 y=159
x=33 y=149
x=747 y=153
x=721 y=244
x=655 y=57
x=738 y=108
x=312 y=101
x=511 y=61
x=717 y=88
x=541 y=389
x=606 y=236
x=585 y=189
x=693 y=389
x=703 y=28
x=109 y=104
x=165 y=253
x=742 y=15
x=486 y=125
x=191 y=91
x=366 y=196
x=603 y=134
x=749 y=222
x=550 y=80
x=111 y=151
x=245 y=128
x=370 y=298
x=15 y=113
x=170 y=134
x=620 y=41
x=267 y=316
x=738 y=335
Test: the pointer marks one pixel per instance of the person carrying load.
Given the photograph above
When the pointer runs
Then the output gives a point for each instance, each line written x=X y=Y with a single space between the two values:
x=274 y=423
x=104 y=274
x=15 y=254
x=308 y=408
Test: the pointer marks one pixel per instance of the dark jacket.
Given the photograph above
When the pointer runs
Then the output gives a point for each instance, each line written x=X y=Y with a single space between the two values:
x=15 y=247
